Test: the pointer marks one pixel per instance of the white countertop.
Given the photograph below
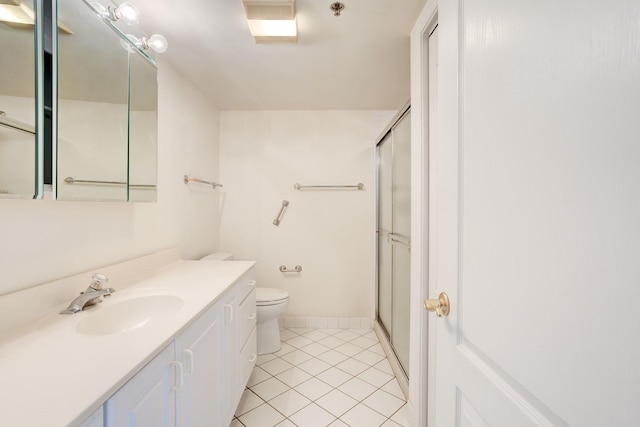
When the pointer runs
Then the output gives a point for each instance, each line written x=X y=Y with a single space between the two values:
x=55 y=376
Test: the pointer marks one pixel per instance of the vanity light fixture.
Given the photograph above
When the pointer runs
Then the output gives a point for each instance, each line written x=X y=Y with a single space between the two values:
x=126 y=12
x=156 y=42
x=272 y=21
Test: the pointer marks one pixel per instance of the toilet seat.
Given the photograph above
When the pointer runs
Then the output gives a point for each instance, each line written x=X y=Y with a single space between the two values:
x=270 y=296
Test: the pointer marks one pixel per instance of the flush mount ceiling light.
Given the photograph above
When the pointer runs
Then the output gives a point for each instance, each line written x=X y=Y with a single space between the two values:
x=14 y=12
x=272 y=21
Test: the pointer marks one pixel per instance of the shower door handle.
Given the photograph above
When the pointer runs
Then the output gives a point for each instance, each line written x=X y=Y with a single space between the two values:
x=396 y=239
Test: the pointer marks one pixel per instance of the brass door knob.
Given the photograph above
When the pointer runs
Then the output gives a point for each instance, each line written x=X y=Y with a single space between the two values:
x=440 y=305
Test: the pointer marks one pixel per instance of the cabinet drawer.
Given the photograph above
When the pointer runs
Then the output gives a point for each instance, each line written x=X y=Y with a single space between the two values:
x=247 y=314
x=248 y=356
x=246 y=284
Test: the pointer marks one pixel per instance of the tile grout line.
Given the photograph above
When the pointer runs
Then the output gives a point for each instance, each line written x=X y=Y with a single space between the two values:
x=302 y=332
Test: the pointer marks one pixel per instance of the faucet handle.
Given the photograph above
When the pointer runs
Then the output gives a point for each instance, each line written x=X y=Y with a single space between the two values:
x=97 y=280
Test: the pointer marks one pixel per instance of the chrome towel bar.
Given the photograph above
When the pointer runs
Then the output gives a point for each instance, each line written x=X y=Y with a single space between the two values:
x=16 y=124
x=296 y=269
x=187 y=180
x=276 y=221
x=358 y=186
x=72 y=180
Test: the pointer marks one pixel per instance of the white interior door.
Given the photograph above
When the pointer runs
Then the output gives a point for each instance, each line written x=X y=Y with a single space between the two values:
x=535 y=202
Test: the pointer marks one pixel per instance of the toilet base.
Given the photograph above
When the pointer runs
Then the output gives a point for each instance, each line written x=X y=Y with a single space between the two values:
x=268 y=336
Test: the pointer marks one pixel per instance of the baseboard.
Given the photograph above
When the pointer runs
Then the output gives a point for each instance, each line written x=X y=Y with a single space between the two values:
x=326 y=322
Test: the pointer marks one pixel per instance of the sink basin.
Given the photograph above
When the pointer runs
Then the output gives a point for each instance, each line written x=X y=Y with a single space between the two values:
x=127 y=315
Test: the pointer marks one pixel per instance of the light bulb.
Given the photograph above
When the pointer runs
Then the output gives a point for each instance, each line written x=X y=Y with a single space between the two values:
x=126 y=11
x=156 y=42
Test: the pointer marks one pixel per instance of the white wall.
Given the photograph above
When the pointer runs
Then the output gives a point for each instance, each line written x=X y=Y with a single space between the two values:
x=17 y=165
x=44 y=239
x=87 y=153
x=329 y=233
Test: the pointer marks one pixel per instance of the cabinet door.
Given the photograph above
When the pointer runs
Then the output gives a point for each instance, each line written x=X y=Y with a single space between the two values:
x=148 y=399
x=200 y=351
x=230 y=351
x=247 y=359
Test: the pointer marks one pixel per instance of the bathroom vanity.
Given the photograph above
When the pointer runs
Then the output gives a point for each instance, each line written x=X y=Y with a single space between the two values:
x=174 y=346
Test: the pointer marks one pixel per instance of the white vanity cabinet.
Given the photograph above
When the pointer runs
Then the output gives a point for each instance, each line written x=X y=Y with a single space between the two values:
x=199 y=378
x=240 y=341
x=247 y=342
x=149 y=398
x=198 y=350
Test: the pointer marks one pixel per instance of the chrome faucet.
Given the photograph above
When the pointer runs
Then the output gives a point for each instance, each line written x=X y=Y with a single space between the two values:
x=90 y=296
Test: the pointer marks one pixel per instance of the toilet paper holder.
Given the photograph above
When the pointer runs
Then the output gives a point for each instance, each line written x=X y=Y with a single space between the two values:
x=296 y=269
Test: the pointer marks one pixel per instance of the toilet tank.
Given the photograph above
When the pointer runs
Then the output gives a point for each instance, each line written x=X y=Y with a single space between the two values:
x=218 y=256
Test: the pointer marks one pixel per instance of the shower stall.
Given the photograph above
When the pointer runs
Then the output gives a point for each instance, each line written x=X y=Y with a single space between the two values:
x=393 y=235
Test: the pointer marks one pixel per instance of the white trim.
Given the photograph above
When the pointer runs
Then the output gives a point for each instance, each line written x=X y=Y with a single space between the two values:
x=325 y=322
x=419 y=383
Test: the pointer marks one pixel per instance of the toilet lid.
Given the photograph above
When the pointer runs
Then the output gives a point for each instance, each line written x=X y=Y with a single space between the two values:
x=270 y=295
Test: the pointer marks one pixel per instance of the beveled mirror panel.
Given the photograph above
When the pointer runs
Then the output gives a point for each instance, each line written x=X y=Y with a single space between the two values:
x=143 y=125
x=19 y=171
x=92 y=108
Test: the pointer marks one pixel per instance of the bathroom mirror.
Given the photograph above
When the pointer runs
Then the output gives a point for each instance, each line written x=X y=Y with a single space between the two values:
x=102 y=155
x=143 y=128
x=92 y=107
x=19 y=171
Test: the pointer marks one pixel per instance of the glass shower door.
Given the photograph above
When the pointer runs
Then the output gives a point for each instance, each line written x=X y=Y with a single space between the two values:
x=385 y=225
x=394 y=231
x=400 y=239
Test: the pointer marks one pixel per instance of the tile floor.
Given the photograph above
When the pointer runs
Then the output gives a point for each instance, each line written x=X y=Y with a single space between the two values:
x=323 y=377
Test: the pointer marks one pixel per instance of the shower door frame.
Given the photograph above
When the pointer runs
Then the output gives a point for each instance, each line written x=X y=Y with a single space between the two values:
x=392 y=124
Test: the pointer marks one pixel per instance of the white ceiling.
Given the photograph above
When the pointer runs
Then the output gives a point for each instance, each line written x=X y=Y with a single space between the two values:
x=359 y=60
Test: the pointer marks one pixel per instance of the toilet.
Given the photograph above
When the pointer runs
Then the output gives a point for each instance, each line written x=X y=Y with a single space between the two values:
x=270 y=303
